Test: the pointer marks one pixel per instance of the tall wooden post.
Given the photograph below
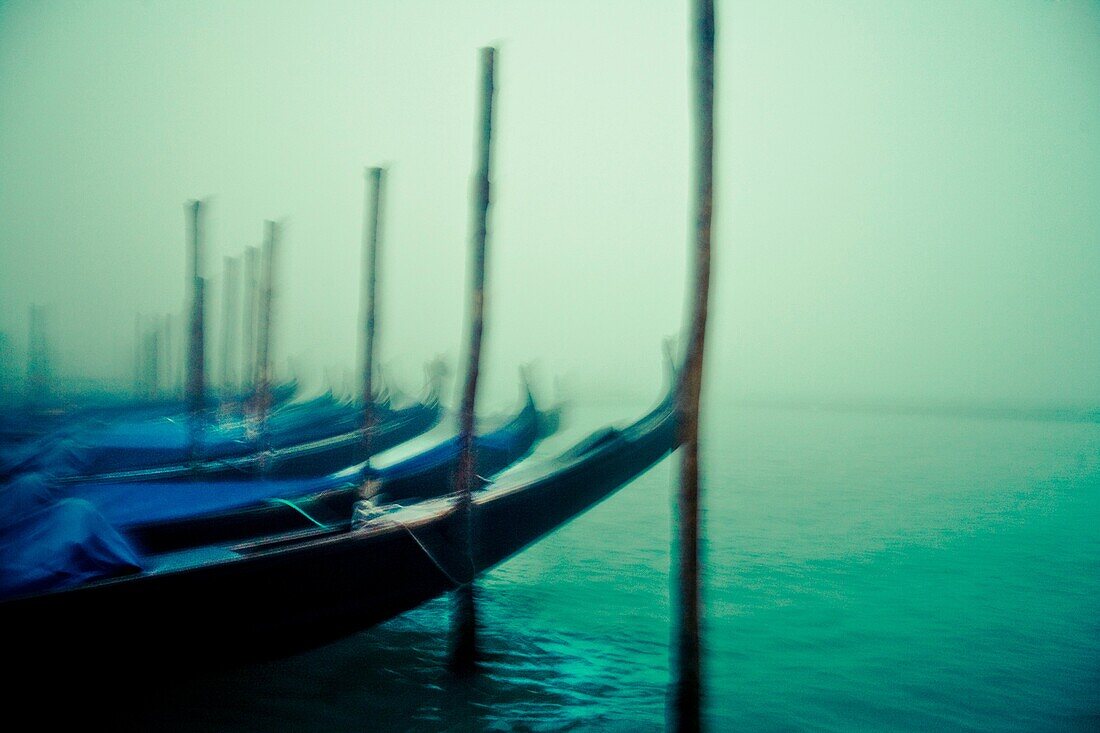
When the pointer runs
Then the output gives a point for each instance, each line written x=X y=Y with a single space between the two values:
x=248 y=342
x=464 y=651
x=371 y=228
x=229 y=326
x=196 y=351
x=687 y=702
x=263 y=359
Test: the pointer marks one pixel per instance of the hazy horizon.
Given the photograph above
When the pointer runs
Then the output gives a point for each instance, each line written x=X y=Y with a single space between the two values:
x=906 y=206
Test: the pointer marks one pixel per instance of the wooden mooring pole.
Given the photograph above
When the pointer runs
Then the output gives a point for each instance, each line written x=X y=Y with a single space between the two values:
x=371 y=229
x=688 y=691
x=464 y=645
x=229 y=327
x=262 y=404
x=196 y=353
x=248 y=324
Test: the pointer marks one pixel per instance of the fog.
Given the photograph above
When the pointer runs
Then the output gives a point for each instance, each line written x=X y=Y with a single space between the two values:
x=908 y=201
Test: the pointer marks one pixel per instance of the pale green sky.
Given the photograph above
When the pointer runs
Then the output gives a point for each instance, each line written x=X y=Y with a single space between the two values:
x=908 y=192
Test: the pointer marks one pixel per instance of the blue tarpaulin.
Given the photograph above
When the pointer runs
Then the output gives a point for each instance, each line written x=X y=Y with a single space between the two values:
x=47 y=543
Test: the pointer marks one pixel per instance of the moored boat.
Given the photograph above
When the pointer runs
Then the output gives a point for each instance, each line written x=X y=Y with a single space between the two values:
x=312 y=438
x=232 y=602
x=176 y=515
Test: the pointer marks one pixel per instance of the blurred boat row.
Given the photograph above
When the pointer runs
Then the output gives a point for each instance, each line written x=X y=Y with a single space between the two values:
x=301 y=518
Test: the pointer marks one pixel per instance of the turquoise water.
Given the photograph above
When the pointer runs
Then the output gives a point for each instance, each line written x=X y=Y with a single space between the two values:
x=866 y=571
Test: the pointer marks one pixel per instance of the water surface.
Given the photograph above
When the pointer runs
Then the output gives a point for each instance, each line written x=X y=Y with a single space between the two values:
x=865 y=570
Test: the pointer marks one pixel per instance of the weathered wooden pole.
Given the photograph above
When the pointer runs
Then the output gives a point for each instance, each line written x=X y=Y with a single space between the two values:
x=263 y=359
x=688 y=693
x=248 y=342
x=464 y=651
x=196 y=350
x=371 y=228
x=229 y=326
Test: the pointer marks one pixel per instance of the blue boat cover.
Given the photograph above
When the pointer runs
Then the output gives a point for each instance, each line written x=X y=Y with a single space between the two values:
x=164 y=441
x=60 y=535
x=128 y=504
x=47 y=544
x=57 y=455
x=125 y=504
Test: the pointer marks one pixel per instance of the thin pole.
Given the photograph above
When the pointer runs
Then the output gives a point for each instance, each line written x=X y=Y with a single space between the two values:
x=263 y=360
x=371 y=228
x=248 y=345
x=196 y=355
x=687 y=713
x=229 y=326
x=464 y=651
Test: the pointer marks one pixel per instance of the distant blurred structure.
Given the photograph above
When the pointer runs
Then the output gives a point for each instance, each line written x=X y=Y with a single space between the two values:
x=39 y=362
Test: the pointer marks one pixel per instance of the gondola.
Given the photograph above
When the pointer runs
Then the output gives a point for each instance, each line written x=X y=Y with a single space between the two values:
x=311 y=438
x=226 y=603
x=171 y=516
x=26 y=433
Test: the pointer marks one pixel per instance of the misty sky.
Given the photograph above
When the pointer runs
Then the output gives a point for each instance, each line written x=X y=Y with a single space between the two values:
x=908 y=192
